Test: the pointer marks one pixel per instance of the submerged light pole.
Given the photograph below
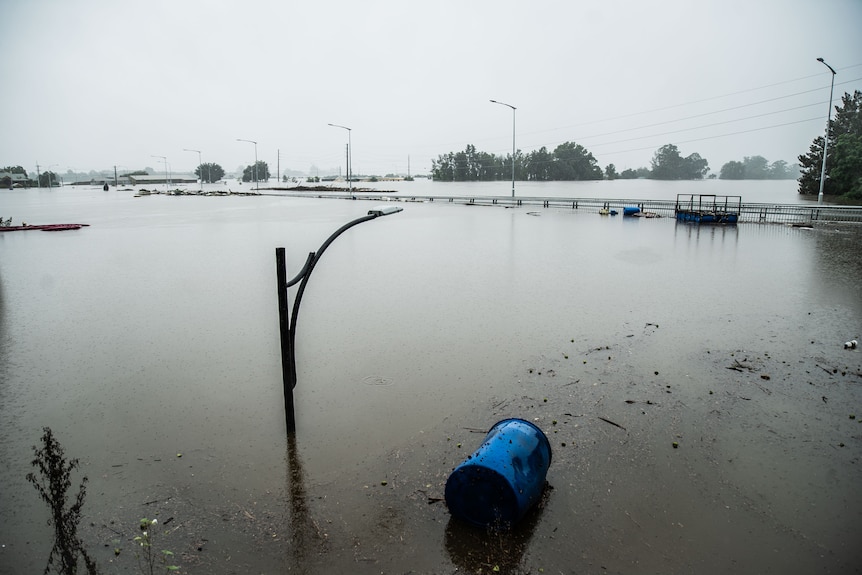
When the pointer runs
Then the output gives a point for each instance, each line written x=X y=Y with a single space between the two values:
x=287 y=320
x=513 y=141
x=200 y=166
x=256 y=187
x=349 y=157
x=165 y=160
x=828 y=126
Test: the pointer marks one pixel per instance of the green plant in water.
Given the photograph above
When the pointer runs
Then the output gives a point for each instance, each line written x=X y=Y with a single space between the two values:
x=148 y=557
x=53 y=485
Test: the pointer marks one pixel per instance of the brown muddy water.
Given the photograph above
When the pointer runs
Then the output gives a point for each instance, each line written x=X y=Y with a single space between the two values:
x=703 y=412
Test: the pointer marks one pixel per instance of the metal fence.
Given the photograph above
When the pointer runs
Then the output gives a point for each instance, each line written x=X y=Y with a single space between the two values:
x=749 y=213
x=752 y=213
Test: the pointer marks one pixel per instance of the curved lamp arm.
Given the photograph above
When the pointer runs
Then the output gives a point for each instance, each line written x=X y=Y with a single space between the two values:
x=305 y=273
x=310 y=262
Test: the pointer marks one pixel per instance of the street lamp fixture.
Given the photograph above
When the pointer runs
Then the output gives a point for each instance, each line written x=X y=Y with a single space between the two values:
x=256 y=185
x=287 y=319
x=349 y=157
x=165 y=160
x=828 y=125
x=200 y=166
x=513 y=141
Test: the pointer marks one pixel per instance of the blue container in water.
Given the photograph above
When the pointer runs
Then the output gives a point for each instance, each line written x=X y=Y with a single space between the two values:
x=630 y=210
x=500 y=481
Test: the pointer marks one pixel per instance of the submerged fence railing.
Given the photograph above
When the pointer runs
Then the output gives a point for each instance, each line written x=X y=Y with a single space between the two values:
x=749 y=212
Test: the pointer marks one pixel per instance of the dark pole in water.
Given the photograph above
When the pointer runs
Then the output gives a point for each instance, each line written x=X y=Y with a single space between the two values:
x=287 y=319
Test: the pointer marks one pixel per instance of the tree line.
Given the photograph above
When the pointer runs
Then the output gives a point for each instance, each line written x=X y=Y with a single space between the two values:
x=210 y=172
x=571 y=161
x=758 y=168
x=568 y=161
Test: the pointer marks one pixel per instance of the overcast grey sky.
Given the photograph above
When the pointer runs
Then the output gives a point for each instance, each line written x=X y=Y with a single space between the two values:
x=89 y=84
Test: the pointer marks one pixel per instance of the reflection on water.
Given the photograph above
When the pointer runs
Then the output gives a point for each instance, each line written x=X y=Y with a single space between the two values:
x=303 y=533
x=477 y=550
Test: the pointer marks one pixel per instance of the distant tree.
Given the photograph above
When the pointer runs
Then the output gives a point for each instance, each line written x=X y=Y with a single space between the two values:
x=471 y=165
x=538 y=165
x=262 y=173
x=573 y=162
x=611 y=172
x=844 y=158
x=668 y=164
x=695 y=167
x=48 y=180
x=569 y=161
x=211 y=172
x=756 y=167
x=630 y=174
x=781 y=170
x=732 y=171
x=14 y=170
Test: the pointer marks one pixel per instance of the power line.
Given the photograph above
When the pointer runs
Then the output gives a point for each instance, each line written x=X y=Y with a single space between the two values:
x=819 y=119
x=705 y=125
x=672 y=106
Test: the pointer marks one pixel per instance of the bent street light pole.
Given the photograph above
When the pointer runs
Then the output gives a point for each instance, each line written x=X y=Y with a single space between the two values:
x=200 y=165
x=828 y=125
x=287 y=321
x=256 y=187
x=349 y=157
x=513 y=141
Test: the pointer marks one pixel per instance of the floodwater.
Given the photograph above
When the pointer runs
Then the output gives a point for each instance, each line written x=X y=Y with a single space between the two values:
x=149 y=343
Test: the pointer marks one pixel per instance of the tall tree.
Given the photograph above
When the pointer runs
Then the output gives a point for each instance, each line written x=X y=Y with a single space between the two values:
x=14 y=170
x=48 y=180
x=780 y=170
x=573 y=162
x=668 y=164
x=756 y=167
x=538 y=165
x=211 y=172
x=262 y=173
x=732 y=170
x=844 y=158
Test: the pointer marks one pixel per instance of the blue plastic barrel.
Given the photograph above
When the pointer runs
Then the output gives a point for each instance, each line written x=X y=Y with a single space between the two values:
x=503 y=479
x=630 y=210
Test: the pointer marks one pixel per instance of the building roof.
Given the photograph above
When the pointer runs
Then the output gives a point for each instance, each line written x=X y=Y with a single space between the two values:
x=160 y=179
x=15 y=177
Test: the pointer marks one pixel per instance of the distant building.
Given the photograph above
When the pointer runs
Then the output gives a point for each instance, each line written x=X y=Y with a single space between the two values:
x=154 y=179
x=13 y=180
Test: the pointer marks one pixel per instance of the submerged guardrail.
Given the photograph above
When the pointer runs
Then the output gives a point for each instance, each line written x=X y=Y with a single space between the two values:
x=749 y=212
